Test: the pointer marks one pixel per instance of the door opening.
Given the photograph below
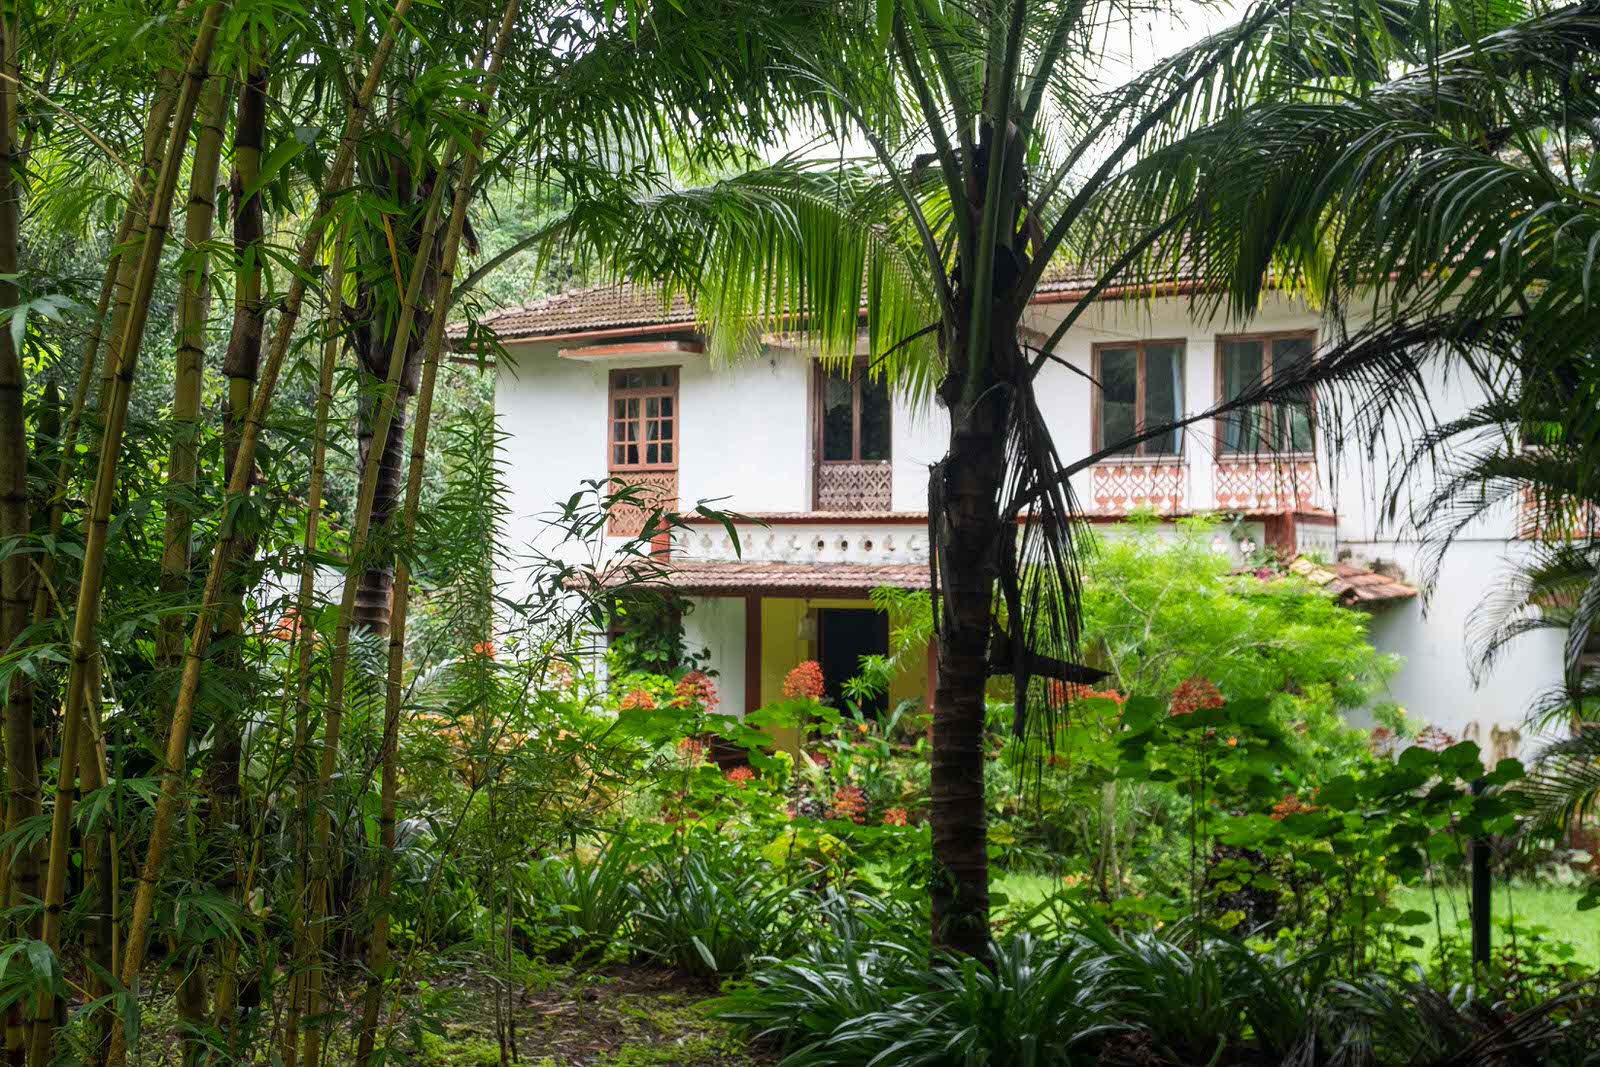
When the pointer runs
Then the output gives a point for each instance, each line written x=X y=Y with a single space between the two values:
x=845 y=635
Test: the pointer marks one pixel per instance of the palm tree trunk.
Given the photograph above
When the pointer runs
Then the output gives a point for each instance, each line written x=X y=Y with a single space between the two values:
x=964 y=506
x=199 y=638
x=355 y=568
x=301 y=688
x=378 y=961
x=240 y=364
x=84 y=644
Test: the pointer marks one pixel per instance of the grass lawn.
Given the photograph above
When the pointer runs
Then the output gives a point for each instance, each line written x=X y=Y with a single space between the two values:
x=1530 y=904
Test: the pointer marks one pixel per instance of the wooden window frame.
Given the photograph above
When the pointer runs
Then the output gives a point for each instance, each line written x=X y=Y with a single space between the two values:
x=1268 y=338
x=1139 y=455
x=819 y=386
x=614 y=393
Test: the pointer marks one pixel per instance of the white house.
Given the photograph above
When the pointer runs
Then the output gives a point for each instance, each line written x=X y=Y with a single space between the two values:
x=832 y=472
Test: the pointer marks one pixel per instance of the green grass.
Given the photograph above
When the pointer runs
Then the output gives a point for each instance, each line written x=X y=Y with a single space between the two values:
x=1531 y=904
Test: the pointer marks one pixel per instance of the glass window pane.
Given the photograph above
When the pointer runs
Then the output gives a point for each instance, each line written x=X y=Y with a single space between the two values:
x=838 y=428
x=619 y=455
x=633 y=454
x=666 y=405
x=1241 y=369
x=1163 y=395
x=1291 y=419
x=666 y=453
x=651 y=454
x=619 y=409
x=1119 y=385
x=875 y=443
x=616 y=431
x=652 y=407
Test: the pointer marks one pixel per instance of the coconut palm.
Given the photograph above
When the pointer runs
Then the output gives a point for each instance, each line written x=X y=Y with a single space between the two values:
x=1000 y=144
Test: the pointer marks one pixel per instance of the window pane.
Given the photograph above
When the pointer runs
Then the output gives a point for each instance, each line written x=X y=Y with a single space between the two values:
x=652 y=454
x=617 y=431
x=619 y=409
x=619 y=455
x=837 y=419
x=666 y=406
x=666 y=453
x=875 y=419
x=1291 y=419
x=1119 y=385
x=1241 y=369
x=633 y=455
x=1163 y=395
x=652 y=407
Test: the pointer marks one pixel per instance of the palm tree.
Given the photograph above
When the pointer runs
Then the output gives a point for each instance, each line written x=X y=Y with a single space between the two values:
x=995 y=151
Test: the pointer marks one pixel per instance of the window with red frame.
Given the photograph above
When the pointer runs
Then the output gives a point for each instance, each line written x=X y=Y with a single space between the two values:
x=644 y=419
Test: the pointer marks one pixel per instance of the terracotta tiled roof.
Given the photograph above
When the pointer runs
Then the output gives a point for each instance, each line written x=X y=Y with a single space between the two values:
x=778 y=579
x=617 y=306
x=598 y=307
x=1352 y=584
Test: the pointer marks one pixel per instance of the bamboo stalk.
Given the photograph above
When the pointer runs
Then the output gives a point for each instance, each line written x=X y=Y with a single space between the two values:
x=378 y=961
x=84 y=644
x=22 y=770
x=240 y=364
x=238 y=486
x=301 y=688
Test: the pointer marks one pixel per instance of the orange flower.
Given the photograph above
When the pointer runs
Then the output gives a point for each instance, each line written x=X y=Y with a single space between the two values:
x=638 y=700
x=739 y=775
x=861 y=727
x=849 y=803
x=1195 y=694
x=1290 y=805
x=1233 y=742
x=805 y=682
x=894 y=817
x=484 y=649
x=1058 y=692
x=692 y=751
x=694 y=689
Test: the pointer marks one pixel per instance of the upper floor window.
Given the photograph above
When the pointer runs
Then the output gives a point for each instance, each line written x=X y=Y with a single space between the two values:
x=644 y=419
x=853 y=449
x=1281 y=426
x=1141 y=386
x=855 y=415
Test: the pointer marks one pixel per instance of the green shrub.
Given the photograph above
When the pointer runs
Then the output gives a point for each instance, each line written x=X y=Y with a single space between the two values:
x=580 y=907
x=710 y=910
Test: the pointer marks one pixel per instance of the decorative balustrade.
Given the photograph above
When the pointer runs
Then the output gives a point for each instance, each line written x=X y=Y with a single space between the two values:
x=853 y=487
x=1257 y=485
x=1122 y=488
x=656 y=489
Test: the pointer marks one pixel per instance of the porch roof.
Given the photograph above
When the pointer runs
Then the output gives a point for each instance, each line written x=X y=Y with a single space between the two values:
x=739 y=578
x=1352 y=584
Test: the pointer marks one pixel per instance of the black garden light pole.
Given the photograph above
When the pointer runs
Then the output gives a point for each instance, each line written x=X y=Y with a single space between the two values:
x=1479 y=909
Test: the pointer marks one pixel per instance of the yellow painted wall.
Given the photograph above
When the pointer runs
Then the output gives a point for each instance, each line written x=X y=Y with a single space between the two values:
x=783 y=646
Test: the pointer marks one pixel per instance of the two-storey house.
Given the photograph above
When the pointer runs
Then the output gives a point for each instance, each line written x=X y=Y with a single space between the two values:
x=831 y=469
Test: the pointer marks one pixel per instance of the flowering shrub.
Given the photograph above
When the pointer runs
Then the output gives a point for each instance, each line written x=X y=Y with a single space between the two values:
x=894 y=817
x=695 y=690
x=484 y=649
x=692 y=750
x=1195 y=694
x=739 y=775
x=804 y=682
x=1059 y=692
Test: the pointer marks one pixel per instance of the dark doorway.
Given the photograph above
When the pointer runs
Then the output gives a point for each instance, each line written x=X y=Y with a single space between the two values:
x=847 y=634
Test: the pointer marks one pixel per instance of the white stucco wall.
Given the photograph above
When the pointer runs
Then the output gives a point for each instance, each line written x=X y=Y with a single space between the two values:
x=746 y=446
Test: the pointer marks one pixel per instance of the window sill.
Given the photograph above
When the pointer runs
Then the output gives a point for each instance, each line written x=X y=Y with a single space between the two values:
x=1176 y=459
